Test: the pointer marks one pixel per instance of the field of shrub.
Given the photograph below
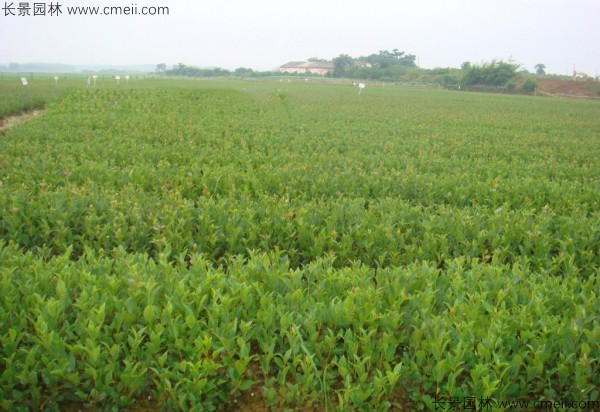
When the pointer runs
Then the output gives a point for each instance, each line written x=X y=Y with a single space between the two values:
x=209 y=245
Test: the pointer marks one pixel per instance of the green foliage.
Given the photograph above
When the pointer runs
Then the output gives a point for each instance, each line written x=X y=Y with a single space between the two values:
x=495 y=73
x=243 y=71
x=161 y=68
x=385 y=59
x=16 y=98
x=385 y=65
x=187 y=71
x=447 y=76
x=196 y=245
x=529 y=85
x=341 y=65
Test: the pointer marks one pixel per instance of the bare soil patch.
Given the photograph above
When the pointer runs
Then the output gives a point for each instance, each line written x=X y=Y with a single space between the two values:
x=580 y=88
x=9 y=121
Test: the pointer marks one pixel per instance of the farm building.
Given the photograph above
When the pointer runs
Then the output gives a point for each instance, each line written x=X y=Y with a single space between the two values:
x=307 y=67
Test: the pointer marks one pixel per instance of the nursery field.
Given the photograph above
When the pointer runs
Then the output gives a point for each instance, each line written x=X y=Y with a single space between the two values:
x=15 y=98
x=238 y=245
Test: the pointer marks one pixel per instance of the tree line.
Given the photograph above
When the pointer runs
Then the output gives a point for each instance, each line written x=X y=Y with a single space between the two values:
x=183 y=70
x=390 y=66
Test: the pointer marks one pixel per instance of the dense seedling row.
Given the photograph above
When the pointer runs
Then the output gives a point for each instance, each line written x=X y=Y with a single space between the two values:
x=314 y=247
x=380 y=232
x=110 y=330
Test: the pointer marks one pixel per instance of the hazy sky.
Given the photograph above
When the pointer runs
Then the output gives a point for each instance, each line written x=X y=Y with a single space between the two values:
x=264 y=34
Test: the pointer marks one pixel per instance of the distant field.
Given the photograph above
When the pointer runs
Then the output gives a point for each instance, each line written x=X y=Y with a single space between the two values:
x=42 y=88
x=271 y=245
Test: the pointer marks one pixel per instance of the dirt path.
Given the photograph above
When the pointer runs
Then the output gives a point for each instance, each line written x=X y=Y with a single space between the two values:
x=10 y=121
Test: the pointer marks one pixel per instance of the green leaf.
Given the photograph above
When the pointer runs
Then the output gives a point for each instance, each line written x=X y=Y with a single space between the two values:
x=61 y=289
x=190 y=321
x=349 y=306
x=246 y=384
x=149 y=313
x=439 y=371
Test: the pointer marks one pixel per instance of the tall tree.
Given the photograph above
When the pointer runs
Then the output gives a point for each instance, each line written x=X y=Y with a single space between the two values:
x=341 y=64
x=540 y=69
x=161 y=68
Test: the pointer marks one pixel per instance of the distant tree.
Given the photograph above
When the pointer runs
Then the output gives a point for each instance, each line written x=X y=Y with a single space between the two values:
x=317 y=59
x=341 y=64
x=217 y=71
x=181 y=69
x=161 y=68
x=446 y=76
x=385 y=59
x=241 y=71
x=465 y=66
x=540 y=69
x=495 y=73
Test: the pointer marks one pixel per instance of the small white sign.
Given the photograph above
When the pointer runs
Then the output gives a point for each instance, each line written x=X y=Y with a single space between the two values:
x=127 y=77
x=117 y=77
x=55 y=77
x=361 y=86
x=95 y=76
x=24 y=81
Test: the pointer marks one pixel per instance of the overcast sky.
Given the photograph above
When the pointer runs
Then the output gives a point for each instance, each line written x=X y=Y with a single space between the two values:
x=263 y=34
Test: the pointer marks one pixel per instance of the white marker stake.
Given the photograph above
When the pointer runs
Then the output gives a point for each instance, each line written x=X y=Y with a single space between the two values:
x=127 y=78
x=55 y=81
x=24 y=81
x=117 y=78
x=95 y=77
x=361 y=86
